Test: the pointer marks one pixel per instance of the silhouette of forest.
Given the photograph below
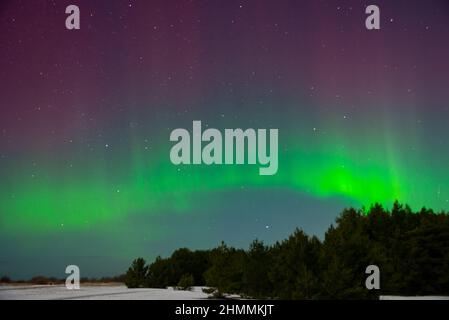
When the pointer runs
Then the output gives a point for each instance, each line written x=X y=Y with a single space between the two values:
x=410 y=248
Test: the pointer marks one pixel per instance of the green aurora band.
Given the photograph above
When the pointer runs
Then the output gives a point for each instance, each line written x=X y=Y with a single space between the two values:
x=147 y=183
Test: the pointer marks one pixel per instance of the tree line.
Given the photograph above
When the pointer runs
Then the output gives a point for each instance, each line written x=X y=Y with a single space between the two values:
x=44 y=280
x=410 y=248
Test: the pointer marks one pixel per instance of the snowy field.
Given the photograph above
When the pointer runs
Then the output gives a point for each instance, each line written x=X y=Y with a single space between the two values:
x=414 y=298
x=96 y=292
x=120 y=292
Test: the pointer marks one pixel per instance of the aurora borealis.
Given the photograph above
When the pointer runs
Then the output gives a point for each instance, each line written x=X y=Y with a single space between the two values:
x=86 y=115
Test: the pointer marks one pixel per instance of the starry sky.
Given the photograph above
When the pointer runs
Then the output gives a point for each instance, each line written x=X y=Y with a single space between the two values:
x=86 y=115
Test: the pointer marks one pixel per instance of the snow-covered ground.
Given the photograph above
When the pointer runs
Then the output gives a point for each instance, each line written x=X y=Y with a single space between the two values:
x=121 y=292
x=414 y=298
x=96 y=292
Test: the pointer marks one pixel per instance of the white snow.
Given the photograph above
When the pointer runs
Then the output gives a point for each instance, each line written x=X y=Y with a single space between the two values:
x=414 y=298
x=96 y=292
x=121 y=292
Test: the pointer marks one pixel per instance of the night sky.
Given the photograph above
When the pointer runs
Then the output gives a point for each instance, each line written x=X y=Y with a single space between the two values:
x=86 y=115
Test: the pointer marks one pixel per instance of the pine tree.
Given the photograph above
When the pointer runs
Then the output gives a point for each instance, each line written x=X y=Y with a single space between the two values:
x=136 y=277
